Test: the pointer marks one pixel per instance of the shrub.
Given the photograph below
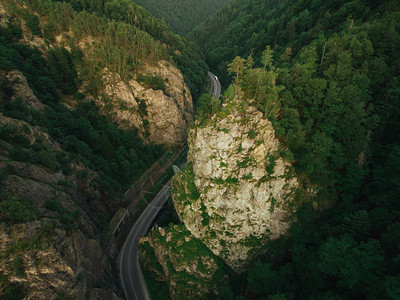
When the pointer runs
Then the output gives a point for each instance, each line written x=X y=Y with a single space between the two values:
x=155 y=82
x=17 y=209
x=14 y=292
x=252 y=133
x=20 y=154
x=3 y=175
x=32 y=22
x=142 y=107
x=20 y=140
x=52 y=204
x=18 y=266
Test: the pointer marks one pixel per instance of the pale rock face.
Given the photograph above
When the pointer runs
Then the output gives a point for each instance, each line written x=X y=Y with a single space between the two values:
x=168 y=114
x=22 y=90
x=45 y=270
x=244 y=185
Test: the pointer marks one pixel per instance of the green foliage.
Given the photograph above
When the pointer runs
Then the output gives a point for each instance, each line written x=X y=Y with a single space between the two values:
x=84 y=134
x=271 y=165
x=16 y=209
x=265 y=280
x=3 y=175
x=207 y=105
x=32 y=22
x=68 y=218
x=37 y=154
x=14 y=292
x=125 y=38
x=186 y=249
x=182 y=16
x=155 y=82
x=252 y=134
x=237 y=67
x=228 y=181
x=52 y=204
x=62 y=70
x=329 y=83
x=246 y=161
x=17 y=265
x=248 y=176
x=40 y=240
x=184 y=188
x=142 y=108
x=357 y=266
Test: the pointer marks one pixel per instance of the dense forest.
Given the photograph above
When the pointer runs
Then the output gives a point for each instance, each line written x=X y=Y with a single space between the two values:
x=326 y=73
x=182 y=16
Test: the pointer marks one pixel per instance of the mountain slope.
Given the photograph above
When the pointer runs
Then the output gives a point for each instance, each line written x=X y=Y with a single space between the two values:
x=245 y=27
x=182 y=16
x=117 y=63
x=86 y=91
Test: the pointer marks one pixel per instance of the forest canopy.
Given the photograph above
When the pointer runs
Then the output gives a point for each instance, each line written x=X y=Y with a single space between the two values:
x=182 y=16
x=326 y=74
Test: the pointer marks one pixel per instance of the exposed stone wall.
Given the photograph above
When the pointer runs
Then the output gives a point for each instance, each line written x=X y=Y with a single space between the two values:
x=168 y=113
x=238 y=190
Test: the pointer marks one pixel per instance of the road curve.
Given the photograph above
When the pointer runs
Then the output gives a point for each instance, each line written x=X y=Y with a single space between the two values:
x=215 y=84
x=130 y=270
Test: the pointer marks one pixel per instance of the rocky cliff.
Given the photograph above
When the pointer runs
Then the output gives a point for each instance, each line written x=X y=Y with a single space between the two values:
x=161 y=112
x=238 y=190
x=56 y=251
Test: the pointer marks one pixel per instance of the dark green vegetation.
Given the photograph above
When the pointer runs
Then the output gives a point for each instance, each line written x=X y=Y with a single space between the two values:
x=182 y=16
x=126 y=37
x=329 y=82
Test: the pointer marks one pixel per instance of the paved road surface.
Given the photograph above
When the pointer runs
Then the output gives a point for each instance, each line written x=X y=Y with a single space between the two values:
x=130 y=270
x=216 y=85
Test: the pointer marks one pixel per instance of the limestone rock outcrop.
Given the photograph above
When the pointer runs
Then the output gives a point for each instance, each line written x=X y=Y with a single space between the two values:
x=22 y=90
x=161 y=115
x=238 y=190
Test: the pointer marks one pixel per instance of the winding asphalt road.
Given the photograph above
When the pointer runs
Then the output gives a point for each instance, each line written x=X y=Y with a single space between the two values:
x=130 y=270
x=215 y=84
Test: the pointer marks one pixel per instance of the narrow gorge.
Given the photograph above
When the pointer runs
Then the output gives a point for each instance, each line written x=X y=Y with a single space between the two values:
x=236 y=149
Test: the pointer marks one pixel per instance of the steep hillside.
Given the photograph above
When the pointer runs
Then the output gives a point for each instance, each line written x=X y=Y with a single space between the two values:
x=53 y=206
x=321 y=75
x=245 y=27
x=86 y=92
x=182 y=16
x=325 y=75
x=127 y=71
